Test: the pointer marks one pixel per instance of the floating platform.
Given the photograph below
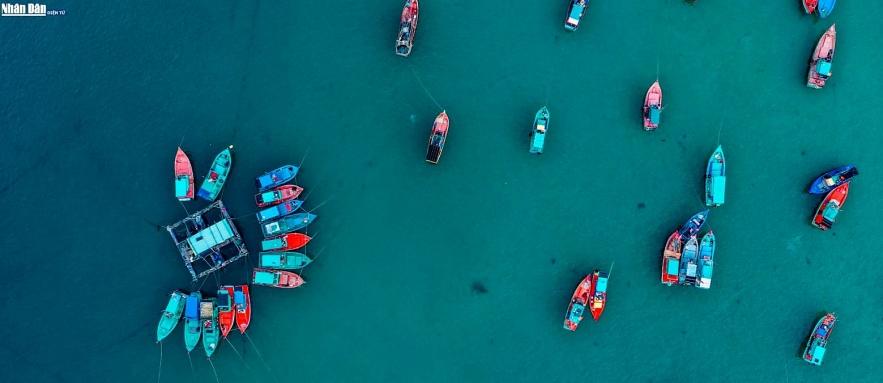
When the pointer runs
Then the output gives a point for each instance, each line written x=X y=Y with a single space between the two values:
x=207 y=240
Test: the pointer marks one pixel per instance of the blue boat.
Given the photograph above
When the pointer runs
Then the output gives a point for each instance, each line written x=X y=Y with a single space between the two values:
x=217 y=176
x=687 y=272
x=575 y=13
x=280 y=210
x=692 y=226
x=287 y=224
x=715 y=178
x=825 y=7
x=832 y=179
x=275 y=177
x=538 y=133
x=706 y=261
x=818 y=340
x=192 y=325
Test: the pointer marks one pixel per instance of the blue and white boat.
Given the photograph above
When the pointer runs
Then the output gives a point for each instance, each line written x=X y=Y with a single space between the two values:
x=715 y=178
x=575 y=13
x=538 y=133
x=287 y=224
x=691 y=227
x=706 y=261
x=280 y=210
x=825 y=8
x=832 y=179
x=275 y=177
x=687 y=272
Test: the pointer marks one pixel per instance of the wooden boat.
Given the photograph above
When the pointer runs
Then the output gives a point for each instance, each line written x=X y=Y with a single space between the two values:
x=578 y=303
x=825 y=8
x=818 y=340
x=183 y=177
x=715 y=178
x=208 y=315
x=287 y=260
x=833 y=178
x=242 y=302
x=538 y=133
x=276 y=278
x=278 y=195
x=653 y=107
x=287 y=224
x=217 y=176
x=281 y=210
x=575 y=13
x=821 y=60
x=706 y=261
x=408 y=28
x=437 y=138
x=226 y=314
x=810 y=5
x=599 y=294
x=692 y=226
x=275 y=177
x=291 y=241
x=192 y=327
x=171 y=315
x=687 y=272
x=830 y=206
x=671 y=259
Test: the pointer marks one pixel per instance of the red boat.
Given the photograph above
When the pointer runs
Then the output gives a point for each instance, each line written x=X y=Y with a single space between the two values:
x=291 y=241
x=671 y=259
x=810 y=5
x=278 y=195
x=830 y=206
x=653 y=106
x=598 y=299
x=276 y=278
x=226 y=313
x=437 y=138
x=242 y=304
x=183 y=177
x=408 y=28
x=822 y=58
x=578 y=303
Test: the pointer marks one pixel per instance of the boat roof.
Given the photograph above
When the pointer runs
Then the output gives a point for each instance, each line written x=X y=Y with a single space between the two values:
x=192 y=308
x=671 y=267
x=823 y=67
x=271 y=244
x=601 y=285
x=830 y=211
x=576 y=12
x=271 y=260
x=654 y=115
x=707 y=269
x=209 y=237
x=224 y=300
x=719 y=186
x=265 y=278
x=182 y=185
x=539 y=139
x=818 y=352
x=268 y=196
x=239 y=297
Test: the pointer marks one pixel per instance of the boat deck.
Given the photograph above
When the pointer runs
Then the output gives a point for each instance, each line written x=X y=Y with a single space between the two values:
x=433 y=154
x=207 y=240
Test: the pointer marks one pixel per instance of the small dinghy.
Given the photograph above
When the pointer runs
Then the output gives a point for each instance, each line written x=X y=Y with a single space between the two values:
x=821 y=60
x=183 y=177
x=653 y=107
x=538 y=133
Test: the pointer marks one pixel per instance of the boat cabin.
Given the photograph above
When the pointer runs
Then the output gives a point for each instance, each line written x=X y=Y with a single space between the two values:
x=239 y=298
x=717 y=190
x=182 y=186
x=538 y=139
x=816 y=352
x=823 y=68
x=265 y=278
x=653 y=114
x=207 y=240
x=191 y=309
x=273 y=244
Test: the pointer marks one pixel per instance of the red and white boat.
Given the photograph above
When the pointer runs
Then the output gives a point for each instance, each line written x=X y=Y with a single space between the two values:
x=822 y=58
x=810 y=6
x=830 y=206
x=408 y=28
x=242 y=306
x=578 y=303
x=437 y=138
x=277 y=195
x=671 y=259
x=183 y=177
x=226 y=313
x=276 y=278
x=652 y=107
x=291 y=241
x=598 y=299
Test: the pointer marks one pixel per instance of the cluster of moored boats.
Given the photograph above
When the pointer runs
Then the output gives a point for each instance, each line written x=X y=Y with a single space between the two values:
x=835 y=185
x=208 y=318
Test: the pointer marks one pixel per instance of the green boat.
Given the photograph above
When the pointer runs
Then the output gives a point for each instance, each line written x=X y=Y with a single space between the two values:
x=288 y=260
x=217 y=176
x=287 y=224
x=191 y=321
x=538 y=133
x=715 y=178
x=208 y=315
x=171 y=315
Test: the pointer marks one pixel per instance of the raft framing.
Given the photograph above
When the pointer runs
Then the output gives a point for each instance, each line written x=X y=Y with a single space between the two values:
x=216 y=256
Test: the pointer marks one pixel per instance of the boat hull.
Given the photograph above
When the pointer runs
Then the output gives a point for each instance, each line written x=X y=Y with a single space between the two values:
x=192 y=325
x=287 y=224
x=693 y=225
x=814 y=352
x=575 y=13
x=810 y=5
x=825 y=8
x=830 y=206
x=275 y=177
x=715 y=178
x=217 y=176
x=407 y=28
x=278 y=195
x=821 y=60
x=599 y=294
x=671 y=259
x=279 y=211
x=226 y=313
x=171 y=315
x=291 y=241
x=706 y=261
x=437 y=138
x=183 y=177
x=276 y=278
x=242 y=305
x=538 y=132
x=208 y=315
x=687 y=273
x=577 y=308
x=652 y=106
x=285 y=260
x=833 y=178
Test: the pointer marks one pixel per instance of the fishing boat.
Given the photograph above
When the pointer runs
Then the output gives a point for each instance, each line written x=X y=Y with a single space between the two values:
x=832 y=179
x=653 y=107
x=287 y=224
x=715 y=178
x=275 y=177
x=706 y=261
x=242 y=302
x=830 y=206
x=818 y=340
x=437 y=138
x=291 y=241
x=538 y=133
x=278 y=195
x=192 y=327
x=226 y=314
x=810 y=5
x=687 y=272
x=692 y=226
x=408 y=28
x=825 y=8
x=578 y=303
x=575 y=13
x=217 y=176
x=280 y=210
x=208 y=315
x=599 y=293
x=822 y=58
x=183 y=177
x=171 y=315
x=671 y=259
x=287 y=260
x=277 y=278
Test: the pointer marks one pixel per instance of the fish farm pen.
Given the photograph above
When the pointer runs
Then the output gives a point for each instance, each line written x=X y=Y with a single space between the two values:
x=207 y=240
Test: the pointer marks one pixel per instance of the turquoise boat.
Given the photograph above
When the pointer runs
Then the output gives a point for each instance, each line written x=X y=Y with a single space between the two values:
x=706 y=261
x=715 y=178
x=288 y=260
x=687 y=272
x=287 y=224
x=171 y=315
x=208 y=315
x=814 y=352
x=217 y=176
x=191 y=321
x=538 y=133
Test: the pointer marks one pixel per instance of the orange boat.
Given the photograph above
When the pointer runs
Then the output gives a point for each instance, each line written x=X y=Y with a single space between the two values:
x=598 y=299
x=291 y=241
x=437 y=138
x=183 y=177
x=578 y=304
x=652 y=106
x=830 y=206
x=822 y=58
x=276 y=278
x=408 y=28
x=226 y=314
x=671 y=259
x=242 y=304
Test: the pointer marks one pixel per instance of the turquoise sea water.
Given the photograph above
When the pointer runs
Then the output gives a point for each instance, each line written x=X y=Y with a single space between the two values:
x=459 y=272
